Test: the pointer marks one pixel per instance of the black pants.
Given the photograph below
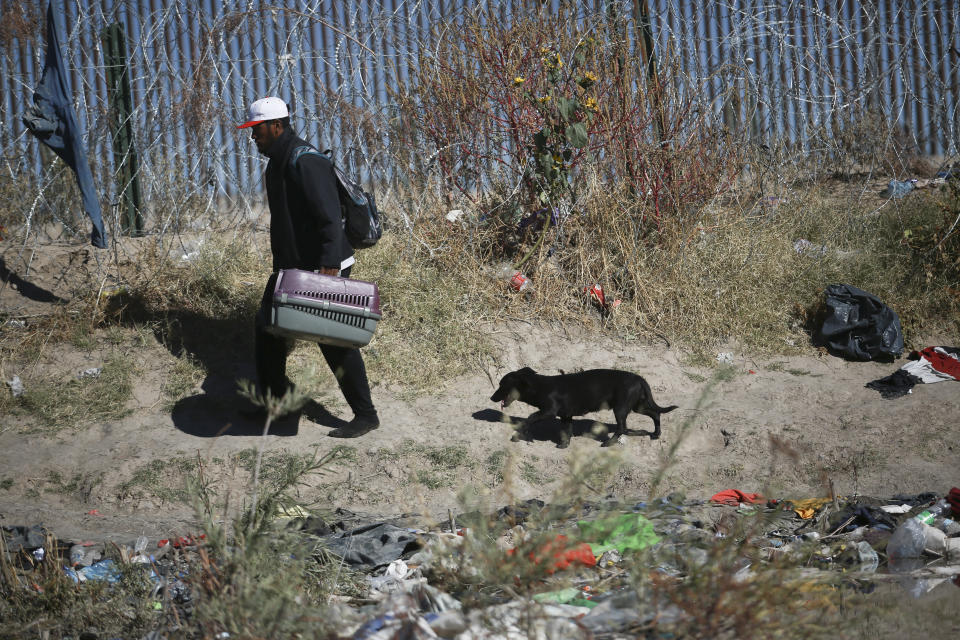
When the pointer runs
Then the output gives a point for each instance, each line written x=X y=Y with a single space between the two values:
x=345 y=363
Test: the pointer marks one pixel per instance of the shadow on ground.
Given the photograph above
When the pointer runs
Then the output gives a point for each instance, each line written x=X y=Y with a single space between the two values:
x=213 y=414
x=549 y=430
x=25 y=288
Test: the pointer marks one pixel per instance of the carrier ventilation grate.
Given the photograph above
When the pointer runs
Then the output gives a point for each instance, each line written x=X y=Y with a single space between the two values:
x=343 y=318
x=342 y=298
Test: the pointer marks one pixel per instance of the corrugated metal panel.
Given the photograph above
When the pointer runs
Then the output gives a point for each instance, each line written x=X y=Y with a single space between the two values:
x=815 y=63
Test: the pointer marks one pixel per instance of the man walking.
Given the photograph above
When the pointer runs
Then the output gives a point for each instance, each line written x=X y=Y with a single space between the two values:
x=306 y=232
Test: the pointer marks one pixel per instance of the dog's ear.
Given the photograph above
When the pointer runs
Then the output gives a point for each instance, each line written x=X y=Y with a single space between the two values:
x=527 y=371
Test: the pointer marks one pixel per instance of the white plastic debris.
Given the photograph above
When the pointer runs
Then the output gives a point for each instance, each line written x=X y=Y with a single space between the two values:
x=896 y=508
x=16 y=386
x=92 y=372
x=725 y=357
x=454 y=215
x=805 y=247
x=398 y=570
x=17 y=324
x=38 y=554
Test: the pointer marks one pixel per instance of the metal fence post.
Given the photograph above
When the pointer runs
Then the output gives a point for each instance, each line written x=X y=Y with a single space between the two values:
x=125 y=161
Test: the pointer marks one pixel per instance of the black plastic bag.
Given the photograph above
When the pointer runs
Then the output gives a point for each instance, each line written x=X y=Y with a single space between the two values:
x=858 y=326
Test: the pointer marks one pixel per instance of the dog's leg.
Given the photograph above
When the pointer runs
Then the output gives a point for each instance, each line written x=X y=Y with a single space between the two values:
x=655 y=416
x=566 y=432
x=621 y=417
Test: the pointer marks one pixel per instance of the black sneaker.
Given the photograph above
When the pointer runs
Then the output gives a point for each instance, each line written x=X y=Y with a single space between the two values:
x=356 y=427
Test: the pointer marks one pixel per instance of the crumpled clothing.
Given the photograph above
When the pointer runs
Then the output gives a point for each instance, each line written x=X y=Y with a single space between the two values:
x=807 y=508
x=899 y=188
x=933 y=364
x=915 y=500
x=52 y=120
x=373 y=545
x=735 y=497
x=954 y=499
x=863 y=515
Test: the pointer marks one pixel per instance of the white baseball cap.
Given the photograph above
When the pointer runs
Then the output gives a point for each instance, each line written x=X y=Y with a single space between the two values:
x=265 y=109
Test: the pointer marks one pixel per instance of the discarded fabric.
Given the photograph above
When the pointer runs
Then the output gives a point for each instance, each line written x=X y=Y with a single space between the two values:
x=899 y=188
x=52 y=120
x=806 y=509
x=372 y=545
x=736 y=497
x=933 y=364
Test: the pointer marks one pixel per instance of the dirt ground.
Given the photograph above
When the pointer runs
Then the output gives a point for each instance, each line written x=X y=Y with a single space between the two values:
x=786 y=427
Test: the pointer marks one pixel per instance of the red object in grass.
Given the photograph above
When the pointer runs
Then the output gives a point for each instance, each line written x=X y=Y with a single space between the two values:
x=94 y=512
x=563 y=554
x=735 y=496
x=188 y=540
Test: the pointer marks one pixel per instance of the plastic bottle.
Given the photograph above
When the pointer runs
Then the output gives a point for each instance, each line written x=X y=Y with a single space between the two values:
x=909 y=538
x=928 y=516
x=907 y=541
x=514 y=278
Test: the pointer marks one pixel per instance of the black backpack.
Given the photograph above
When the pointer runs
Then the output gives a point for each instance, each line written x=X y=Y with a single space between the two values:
x=361 y=218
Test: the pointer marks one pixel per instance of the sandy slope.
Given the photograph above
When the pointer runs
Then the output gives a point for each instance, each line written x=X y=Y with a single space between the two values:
x=785 y=427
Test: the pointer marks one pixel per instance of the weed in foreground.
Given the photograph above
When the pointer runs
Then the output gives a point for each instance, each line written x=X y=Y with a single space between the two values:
x=255 y=577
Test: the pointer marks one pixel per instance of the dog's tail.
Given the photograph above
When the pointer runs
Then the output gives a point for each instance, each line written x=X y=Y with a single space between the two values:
x=660 y=409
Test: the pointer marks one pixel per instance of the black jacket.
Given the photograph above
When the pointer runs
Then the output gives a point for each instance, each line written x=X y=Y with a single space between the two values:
x=306 y=227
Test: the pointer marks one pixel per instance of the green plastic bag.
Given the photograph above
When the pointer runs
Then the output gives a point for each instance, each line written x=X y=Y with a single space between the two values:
x=626 y=532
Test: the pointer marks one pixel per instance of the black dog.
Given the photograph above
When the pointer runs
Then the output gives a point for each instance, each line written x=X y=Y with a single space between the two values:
x=576 y=394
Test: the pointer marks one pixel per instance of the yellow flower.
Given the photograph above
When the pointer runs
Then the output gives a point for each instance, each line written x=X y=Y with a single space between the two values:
x=591 y=104
x=518 y=81
x=543 y=99
x=591 y=76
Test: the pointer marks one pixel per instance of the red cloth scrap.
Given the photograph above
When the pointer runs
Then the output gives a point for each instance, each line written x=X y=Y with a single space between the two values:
x=735 y=497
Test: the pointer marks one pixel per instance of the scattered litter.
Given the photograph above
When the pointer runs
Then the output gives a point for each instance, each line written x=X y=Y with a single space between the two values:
x=599 y=300
x=859 y=326
x=595 y=596
x=84 y=555
x=725 y=357
x=16 y=324
x=92 y=372
x=16 y=386
x=804 y=247
x=898 y=188
x=454 y=215
x=105 y=570
x=112 y=290
x=513 y=277
x=896 y=508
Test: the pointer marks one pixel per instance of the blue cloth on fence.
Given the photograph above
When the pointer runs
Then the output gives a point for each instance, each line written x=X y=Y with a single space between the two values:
x=52 y=120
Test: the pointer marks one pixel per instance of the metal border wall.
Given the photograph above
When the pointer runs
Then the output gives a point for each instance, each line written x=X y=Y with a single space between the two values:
x=799 y=67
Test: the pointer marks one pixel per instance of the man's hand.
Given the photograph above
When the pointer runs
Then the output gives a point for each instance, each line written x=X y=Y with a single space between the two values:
x=330 y=271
